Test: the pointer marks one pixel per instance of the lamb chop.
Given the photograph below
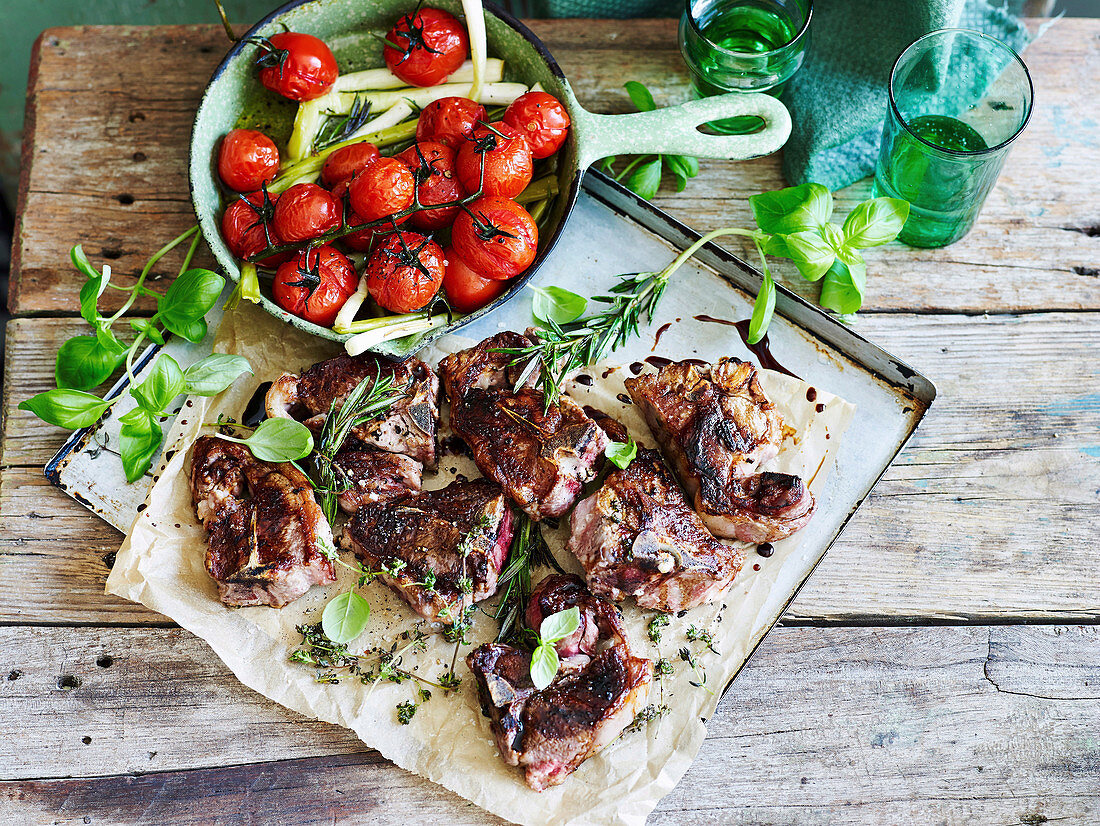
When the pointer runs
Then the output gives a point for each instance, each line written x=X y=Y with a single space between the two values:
x=717 y=427
x=408 y=427
x=442 y=551
x=265 y=531
x=540 y=456
x=636 y=536
x=599 y=688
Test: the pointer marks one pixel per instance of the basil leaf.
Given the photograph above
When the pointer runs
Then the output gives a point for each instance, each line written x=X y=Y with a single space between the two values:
x=345 y=617
x=793 y=209
x=278 y=440
x=762 y=310
x=544 y=665
x=71 y=409
x=810 y=252
x=83 y=363
x=557 y=304
x=621 y=453
x=139 y=438
x=81 y=262
x=775 y=245
x=192 y=329
x=164 y=383
x=683 y=165
x=875 y=222
x=190 y=296
x=93 y=288
x=646 y=179
x=842 y=289
x=560 y=625
x=640 y=95
x=606 y=164
x=147 y=326
x=214 y=373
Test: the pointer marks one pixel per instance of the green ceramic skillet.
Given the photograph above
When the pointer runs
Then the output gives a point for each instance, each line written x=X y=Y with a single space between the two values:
x=234 y=97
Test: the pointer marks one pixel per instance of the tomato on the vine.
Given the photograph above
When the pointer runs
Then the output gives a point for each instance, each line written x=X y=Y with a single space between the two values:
x=507 y=157
x=296 y=65
x=247 y=159
x=384 y=187
x=315 y=284
x=496 y=237
x=306 y=211
x=467 y=290
x=431 y=45
x=342 y=164
x=247 y=228
x=433 y=166
x=405 y=272
x=542 y=121
x=449 y=120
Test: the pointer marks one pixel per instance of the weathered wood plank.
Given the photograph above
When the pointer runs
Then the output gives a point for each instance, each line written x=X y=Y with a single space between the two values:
x=99 y=136
x=944 y=725
x=991 y=511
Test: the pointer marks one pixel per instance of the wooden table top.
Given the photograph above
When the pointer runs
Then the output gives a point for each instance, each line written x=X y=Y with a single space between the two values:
x=942 y=665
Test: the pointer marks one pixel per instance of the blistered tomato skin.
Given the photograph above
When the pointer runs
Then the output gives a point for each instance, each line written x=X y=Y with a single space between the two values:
x=467 y=290
x=431 y=45
x=449 y=121
x=315 y=284
x=297 y=66
x=247 y=228
x=496 y=237
x=306 y=211
x=344 y=163
x=405 y=272
x=542 y=120
x=508 y=161
x=383 y=188
x=247 y=159
x=433 y=166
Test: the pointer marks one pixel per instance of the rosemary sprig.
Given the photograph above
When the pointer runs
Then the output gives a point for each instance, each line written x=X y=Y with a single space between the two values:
x=337 y=128
x=528 y=550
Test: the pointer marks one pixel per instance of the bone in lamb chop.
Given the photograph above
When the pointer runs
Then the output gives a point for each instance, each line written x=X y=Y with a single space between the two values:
x=599 y=689
x=439 y=538
x=264 y=529
x=637 y=536
x=717 y=427
x=541 y=457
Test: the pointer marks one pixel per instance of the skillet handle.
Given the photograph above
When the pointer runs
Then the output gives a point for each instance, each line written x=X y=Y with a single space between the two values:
x=673 y=130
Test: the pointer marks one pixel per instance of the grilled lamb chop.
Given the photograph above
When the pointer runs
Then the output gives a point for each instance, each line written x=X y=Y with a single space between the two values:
x=540 y=457
x=375 y=476
x=597 y=692
x=264 y=529
x=440 y=537
x=410 y=425
x=717 y=427
x=636 y=536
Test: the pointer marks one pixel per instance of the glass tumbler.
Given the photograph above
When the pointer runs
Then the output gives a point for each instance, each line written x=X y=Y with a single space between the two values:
x=743 y=46
x=958 y=99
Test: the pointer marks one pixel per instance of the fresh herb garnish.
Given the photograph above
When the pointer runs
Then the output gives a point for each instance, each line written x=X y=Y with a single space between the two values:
x=621 y=454
x=552 y=629
x=345 y=616
x=335 y=663
x=276 y=440
x=656 y=626
x=701 y=635
x=529 y=550
x=662 y=668
x=405 y=712
x=557 y=304
x=650 y=712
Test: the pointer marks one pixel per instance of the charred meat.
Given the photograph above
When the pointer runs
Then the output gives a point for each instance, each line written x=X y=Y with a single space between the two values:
x=374 y=476
x=265 y=531
x=441 y=551
x=541 y=457
x=409 y=426
x=717 y=427
x=636 y=536
x=597 y=692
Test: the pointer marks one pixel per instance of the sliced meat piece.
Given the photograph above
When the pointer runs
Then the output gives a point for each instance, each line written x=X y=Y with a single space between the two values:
x=439 y=538
x=264 y=528
x=375 y=476
x=484 y=366
x=595 y=695
x=716 y=426
x=410 y=425
x=637 y=536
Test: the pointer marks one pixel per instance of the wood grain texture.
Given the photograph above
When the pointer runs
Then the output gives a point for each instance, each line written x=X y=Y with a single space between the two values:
x=100 y=136
x=934 y=725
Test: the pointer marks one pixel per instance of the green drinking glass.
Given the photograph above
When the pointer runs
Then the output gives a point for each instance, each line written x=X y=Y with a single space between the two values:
x=743 y=46
x=958 y=99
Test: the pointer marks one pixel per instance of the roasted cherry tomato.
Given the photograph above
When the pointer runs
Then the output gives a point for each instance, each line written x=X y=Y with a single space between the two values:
x=247 y=159
x=405 y=272
x=542 y=121
x=496 y=237
x=247 y=228
x=433 y=166
x=508 y=164
x=382 y=188
x=449 y=120
x=297 y=66
x=342 y=164
x=430 y=43
x=315 y=284
x=306 y=211
x=466 y=289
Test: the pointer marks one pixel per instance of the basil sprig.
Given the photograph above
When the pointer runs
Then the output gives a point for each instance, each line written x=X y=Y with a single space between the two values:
x=544 y=659
x=84 y=362
x=277 y=440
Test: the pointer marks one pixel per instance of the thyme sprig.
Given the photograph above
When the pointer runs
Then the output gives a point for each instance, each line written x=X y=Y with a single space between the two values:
x=336 y=663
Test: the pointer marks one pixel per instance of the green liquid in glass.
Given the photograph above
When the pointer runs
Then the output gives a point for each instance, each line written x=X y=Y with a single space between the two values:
x=948 y=133
x=750 y=26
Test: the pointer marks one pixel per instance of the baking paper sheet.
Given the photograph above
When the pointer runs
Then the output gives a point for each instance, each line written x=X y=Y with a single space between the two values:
x=448 y=740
